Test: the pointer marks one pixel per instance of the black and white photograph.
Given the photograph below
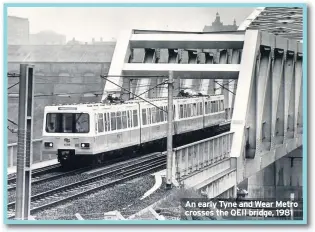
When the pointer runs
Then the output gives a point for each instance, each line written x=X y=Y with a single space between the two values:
x=119 y=114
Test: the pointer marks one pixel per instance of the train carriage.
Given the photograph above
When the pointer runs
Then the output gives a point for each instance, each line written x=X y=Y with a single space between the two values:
x=92 y=131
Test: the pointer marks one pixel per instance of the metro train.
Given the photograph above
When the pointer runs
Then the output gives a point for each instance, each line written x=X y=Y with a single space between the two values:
x=81 y=132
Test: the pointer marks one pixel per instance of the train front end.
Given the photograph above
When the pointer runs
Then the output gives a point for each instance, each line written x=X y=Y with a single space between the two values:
x=67 y=134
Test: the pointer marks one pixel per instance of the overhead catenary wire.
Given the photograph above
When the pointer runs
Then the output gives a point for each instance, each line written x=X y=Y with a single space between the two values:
x=12 y=122
x=13 y=85
x=104 y=77
x=99 y=92
x=224 y=87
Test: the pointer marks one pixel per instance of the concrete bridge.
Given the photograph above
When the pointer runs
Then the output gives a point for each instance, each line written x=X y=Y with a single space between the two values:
x=262 y=74
x=259 y=70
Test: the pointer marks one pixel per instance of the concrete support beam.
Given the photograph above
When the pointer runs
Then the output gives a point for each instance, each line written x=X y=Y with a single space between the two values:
x=143 y=85
x=188 y=41
x=187 y=71
x=242 y=100
x=263 y=100
x=289 y=96
x=298 y=127
x=153 y=93
x=120 y=57
x=235 y=59
x=243 y=94
x=125 y=95
x=277 y=122
x=218 y=82
x=164 y=59
x=207 y=85
x=198 y=60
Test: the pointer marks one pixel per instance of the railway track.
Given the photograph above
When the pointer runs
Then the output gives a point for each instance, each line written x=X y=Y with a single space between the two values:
x=39 y=180
x=123 y=170
x=39 y=176
x=110 y=176
x=36 y=173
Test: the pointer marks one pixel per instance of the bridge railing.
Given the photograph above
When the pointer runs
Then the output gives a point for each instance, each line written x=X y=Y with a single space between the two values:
x=37 y=153
x=195 y=156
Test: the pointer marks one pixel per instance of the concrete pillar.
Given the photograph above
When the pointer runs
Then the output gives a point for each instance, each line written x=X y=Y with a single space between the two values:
x=278 y=179
x=262 y=184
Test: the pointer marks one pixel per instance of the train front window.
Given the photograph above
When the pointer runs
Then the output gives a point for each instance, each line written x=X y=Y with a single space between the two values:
x=67 y=123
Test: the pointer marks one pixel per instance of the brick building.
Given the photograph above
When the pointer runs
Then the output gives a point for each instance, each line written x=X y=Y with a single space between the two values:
x=63 y=74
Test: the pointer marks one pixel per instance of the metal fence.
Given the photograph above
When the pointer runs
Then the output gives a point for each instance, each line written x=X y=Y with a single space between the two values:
x=37 y=153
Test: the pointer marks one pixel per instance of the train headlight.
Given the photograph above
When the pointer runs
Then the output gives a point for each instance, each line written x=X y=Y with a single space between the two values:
x=49 y=144
x=85 y=145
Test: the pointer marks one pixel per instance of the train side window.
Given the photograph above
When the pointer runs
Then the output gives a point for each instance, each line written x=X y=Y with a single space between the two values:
x=206 y=107
x=181 y=111
x=113 y=120
x=174 y=111
x=129 y=119
x=216 y=106
x=194 y=110
x=212 y=106
x=153 y=115
x=162 y=114
x=105 y=122
x=189 y=110
x=149 y=115
x=100 y=123
x=222 y=105
x=157 y=113
x=135 y=118
x=144 y=117
x=118 y=117
x=201 y=109
x=124 y=119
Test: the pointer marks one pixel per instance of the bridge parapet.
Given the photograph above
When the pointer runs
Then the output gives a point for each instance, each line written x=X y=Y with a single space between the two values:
x=197 y=162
